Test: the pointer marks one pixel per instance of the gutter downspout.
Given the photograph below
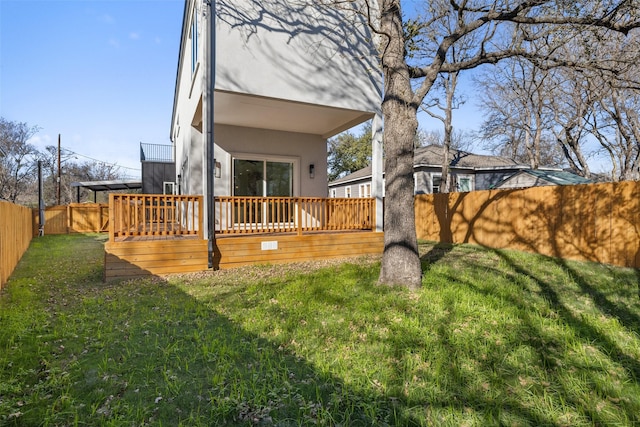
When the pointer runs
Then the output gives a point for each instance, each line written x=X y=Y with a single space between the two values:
x=210 y=64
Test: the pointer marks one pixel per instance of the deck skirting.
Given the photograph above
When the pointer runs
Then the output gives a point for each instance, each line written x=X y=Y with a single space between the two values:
x=236 y=251
x=135 y=258
x=129 y=259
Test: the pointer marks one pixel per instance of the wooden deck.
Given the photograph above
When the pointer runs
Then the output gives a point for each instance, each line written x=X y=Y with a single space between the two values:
x=160 y=235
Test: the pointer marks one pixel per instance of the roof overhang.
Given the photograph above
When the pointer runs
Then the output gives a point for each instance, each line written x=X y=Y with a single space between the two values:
x=238 y=109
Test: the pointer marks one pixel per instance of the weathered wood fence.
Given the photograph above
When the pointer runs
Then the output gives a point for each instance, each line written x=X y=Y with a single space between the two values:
x=595 y=222
x=15 y=236
x=73 y=218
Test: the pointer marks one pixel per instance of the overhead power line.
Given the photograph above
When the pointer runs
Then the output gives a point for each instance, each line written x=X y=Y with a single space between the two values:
x=96 y=160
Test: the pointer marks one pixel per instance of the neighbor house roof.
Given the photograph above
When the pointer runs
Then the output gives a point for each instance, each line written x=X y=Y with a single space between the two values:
x=431 y=155
x=359 y=174
x=551 y=177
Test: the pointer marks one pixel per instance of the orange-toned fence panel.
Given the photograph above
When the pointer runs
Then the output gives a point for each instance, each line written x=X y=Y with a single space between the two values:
x=15 y=236
x=594 y=222
x=73 y=218
x=250 y=215
x=149 y=215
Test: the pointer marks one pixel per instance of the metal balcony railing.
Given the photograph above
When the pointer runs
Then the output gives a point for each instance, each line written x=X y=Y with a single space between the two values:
x=156 y=153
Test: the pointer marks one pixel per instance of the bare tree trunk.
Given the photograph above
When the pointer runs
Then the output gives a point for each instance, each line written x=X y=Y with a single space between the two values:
x=400 y=259
x=448 y=132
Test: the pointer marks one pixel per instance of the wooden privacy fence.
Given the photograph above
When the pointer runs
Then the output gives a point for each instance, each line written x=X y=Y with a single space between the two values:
x=15 y=236
x=250 y=215
x=147 y=215
x=73 y=218
x=593 y=222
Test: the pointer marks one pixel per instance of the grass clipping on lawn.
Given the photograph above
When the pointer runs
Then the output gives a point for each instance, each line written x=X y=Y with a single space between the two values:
x=492 y=338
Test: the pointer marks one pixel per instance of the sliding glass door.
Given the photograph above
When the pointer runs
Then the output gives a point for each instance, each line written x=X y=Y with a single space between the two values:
x=263 y=178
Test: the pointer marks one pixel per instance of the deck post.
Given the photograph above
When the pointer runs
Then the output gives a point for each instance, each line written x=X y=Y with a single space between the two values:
x=112 y=218
x=377 y=182
x=299 y=215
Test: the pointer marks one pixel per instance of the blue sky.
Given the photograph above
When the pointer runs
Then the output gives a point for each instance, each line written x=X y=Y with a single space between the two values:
x=100 y=73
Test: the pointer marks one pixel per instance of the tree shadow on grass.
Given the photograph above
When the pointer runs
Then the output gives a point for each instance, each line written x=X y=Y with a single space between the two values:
x=179 y=361
x=148 y=352
x=530 y=374
x=585 y=330
x=437 y=252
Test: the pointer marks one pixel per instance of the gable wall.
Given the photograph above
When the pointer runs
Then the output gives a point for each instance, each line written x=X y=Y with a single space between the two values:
x=486 y=180
x=524 y=180
x=187 y=125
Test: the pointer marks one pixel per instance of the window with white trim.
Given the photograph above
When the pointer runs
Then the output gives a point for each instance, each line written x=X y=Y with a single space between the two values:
x=333 y=193
x=168 y=187
x=347 y=191
x=436 y=182
x=465 y=183
x=364 y=190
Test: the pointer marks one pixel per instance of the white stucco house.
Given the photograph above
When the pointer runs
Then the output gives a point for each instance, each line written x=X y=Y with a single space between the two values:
x=260 y=87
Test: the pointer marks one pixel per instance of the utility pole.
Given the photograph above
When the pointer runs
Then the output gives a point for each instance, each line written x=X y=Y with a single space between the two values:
x=41 y=206
x=58 y=178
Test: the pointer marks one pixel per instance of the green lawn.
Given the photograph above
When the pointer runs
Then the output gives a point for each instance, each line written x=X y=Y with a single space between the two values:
x=493 y=338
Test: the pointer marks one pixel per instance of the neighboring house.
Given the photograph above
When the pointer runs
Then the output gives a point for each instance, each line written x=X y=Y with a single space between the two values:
x=540 y=177
x=158 y=169
x=259 y=90
x=468 y=172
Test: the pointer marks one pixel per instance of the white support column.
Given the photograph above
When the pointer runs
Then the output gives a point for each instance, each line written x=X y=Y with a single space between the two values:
x=377 y=183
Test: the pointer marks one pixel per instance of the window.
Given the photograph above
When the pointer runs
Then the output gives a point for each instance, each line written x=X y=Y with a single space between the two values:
x=347 y=191
x=168 y=187
x=333 y=193
x=193 y=35
x=465 y=183
x=364 y=190
x=436 y=182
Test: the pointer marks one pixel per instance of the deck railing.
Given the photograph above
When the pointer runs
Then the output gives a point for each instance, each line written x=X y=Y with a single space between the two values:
x=146 y=215
x=248 y=215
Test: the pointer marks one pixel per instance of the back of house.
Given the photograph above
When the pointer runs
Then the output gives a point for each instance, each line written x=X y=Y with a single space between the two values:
x=286 y=75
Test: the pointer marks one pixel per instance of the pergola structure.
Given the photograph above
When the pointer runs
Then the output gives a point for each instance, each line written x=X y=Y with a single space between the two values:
x=114 y=185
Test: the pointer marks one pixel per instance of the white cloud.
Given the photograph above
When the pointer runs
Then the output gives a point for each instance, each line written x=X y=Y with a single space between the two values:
x=114 y=42
x=41 y=141
x=134 y=35
x=107 y=19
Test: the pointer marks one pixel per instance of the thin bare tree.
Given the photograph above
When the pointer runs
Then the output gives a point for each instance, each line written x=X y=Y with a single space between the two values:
x=18 y=159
